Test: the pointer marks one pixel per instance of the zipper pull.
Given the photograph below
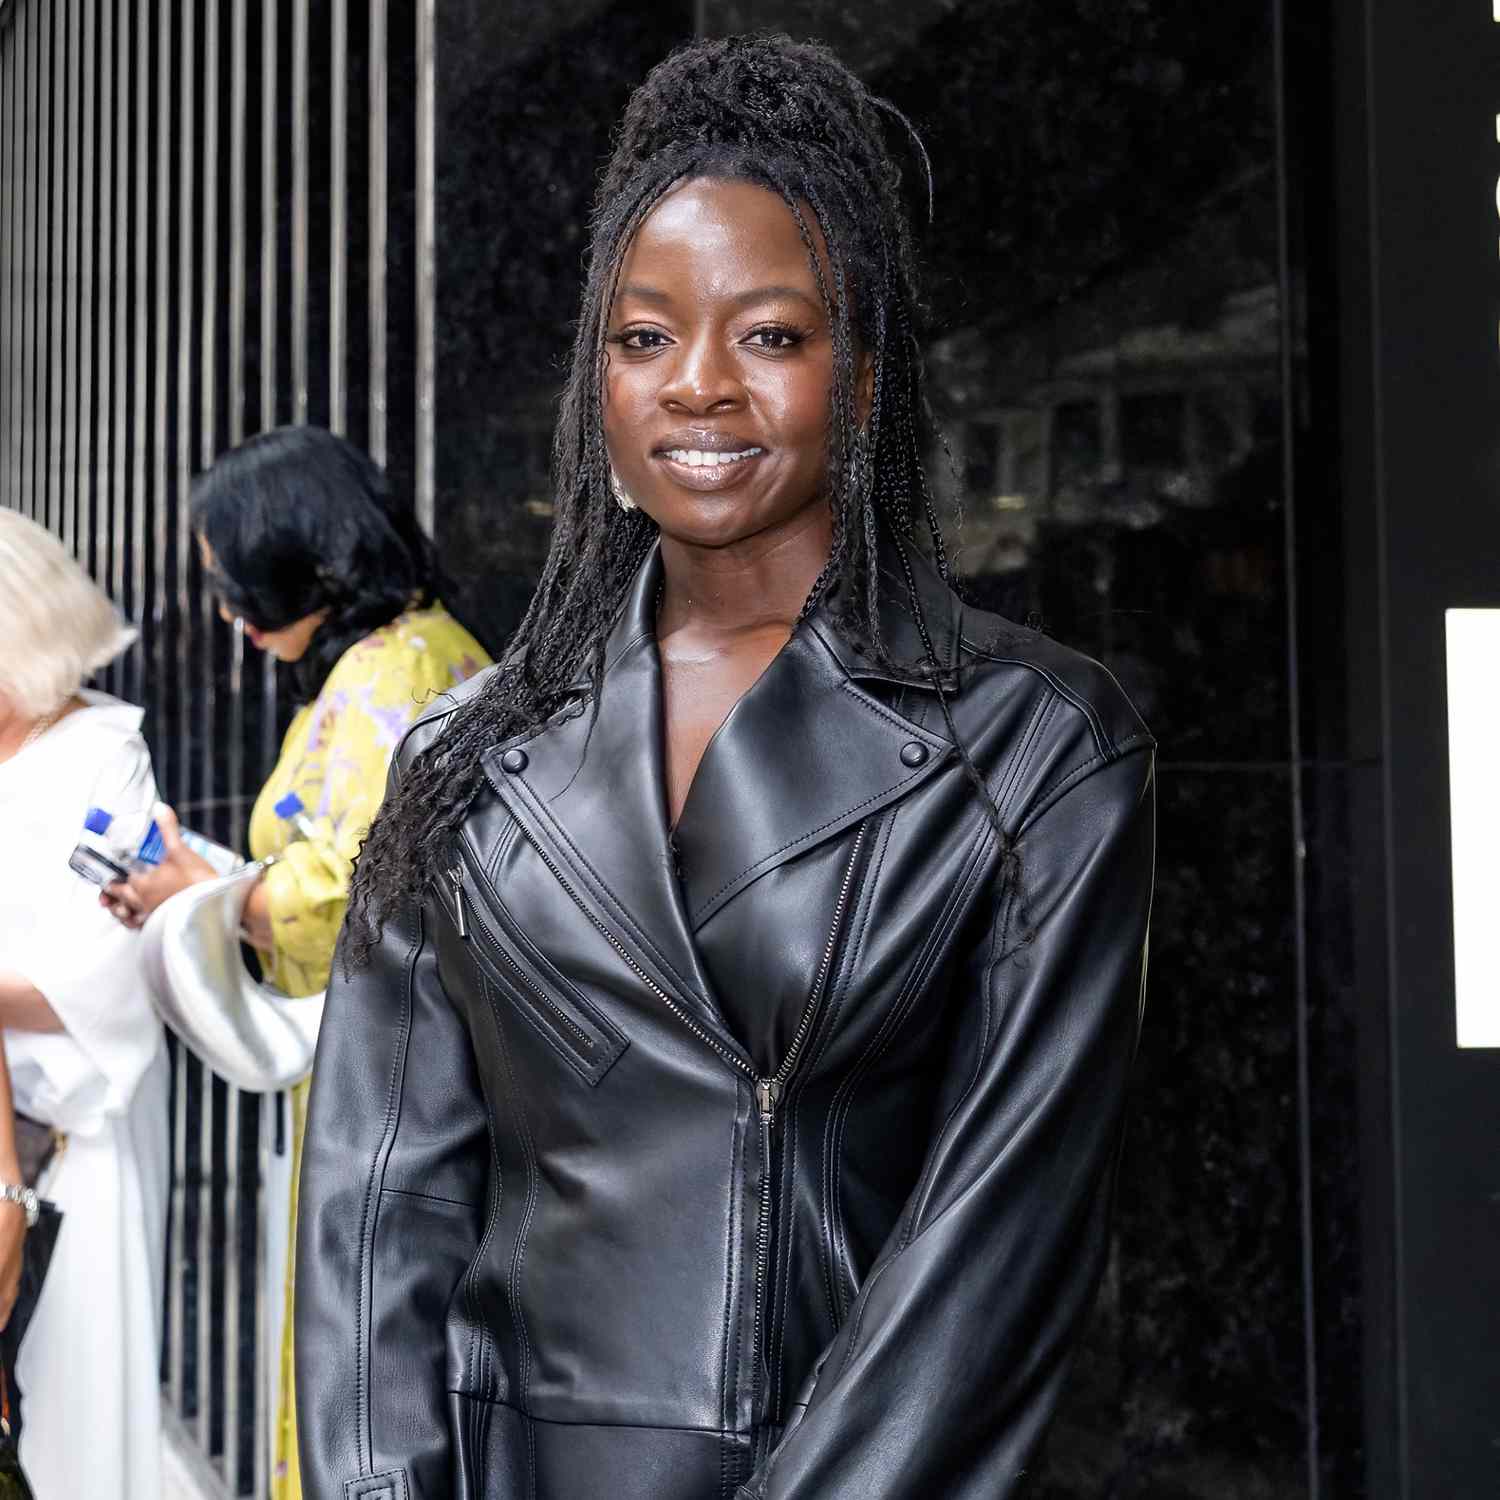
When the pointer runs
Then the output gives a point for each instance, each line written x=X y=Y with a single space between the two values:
x=456 y=875
x=767 y=1092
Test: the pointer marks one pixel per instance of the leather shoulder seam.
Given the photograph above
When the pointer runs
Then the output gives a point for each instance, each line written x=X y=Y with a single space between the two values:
x=1133 y=744
x=1096 y=725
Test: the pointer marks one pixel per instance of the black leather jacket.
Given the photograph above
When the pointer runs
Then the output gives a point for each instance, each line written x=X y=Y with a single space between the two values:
x=774 y=1160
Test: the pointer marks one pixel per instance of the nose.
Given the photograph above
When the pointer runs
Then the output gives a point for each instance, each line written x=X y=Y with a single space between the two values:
x=702 y=378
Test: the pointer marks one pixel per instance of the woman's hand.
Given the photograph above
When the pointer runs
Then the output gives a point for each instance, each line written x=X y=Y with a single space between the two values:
x=12 y=1243
x=133 y=900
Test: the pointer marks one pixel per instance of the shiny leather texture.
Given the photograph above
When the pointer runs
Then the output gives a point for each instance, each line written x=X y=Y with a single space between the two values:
x=772 y=1160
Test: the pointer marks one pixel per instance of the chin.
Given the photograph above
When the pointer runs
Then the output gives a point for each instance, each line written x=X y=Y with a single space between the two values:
x=708 y=521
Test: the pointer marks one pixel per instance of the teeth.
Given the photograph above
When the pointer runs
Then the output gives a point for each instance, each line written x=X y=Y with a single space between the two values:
x=696 y=458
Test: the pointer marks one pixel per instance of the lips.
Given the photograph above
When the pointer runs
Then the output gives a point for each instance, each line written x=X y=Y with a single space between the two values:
x=704 y=460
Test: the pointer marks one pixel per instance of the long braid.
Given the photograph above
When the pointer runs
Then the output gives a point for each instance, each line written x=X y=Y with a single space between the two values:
x=789 y=116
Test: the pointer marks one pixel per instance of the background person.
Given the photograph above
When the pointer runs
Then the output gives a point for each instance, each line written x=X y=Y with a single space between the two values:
x=84 y=1046
x=303 y=541
x=723 y=1090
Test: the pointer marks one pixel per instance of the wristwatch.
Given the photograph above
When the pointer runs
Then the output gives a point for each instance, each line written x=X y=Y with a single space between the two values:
x=24 y=1197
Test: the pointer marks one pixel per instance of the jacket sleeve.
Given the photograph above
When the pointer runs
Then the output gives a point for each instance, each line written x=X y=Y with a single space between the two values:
x=394 y=1178
x=945 y=1373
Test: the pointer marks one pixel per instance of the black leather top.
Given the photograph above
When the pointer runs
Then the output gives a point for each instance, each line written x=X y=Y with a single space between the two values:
x=776 y=1164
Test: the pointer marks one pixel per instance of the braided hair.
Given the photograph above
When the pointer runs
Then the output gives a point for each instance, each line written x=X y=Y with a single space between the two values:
x=790 y=117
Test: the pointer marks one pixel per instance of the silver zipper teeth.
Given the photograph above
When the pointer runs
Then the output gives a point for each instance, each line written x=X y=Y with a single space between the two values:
x=526 y=981
x=804 y=1025
x=456 y=875
x=762 y=1254
x=768 y=1091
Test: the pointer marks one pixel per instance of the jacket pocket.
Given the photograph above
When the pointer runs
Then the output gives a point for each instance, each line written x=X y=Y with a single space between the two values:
x=554 y=1007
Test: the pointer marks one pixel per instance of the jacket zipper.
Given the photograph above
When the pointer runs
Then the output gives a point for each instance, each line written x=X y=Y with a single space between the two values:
x=768 y=1092
x=682 y=1014
x=492 y=948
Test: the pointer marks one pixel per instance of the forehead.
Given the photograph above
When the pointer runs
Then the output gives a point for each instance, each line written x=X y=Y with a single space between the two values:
x=718 y=238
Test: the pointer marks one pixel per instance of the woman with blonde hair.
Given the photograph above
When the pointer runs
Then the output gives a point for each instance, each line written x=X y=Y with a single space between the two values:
x=83 y=1043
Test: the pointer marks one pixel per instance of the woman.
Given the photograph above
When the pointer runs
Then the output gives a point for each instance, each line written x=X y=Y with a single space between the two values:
x=84 y=1045
x=721 y=1088
x=303 y=542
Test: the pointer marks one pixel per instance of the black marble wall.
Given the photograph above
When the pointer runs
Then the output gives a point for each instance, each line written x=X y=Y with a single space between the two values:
x=1131 y=386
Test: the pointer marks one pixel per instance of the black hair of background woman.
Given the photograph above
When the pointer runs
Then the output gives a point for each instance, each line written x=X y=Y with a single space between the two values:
x=301 y=520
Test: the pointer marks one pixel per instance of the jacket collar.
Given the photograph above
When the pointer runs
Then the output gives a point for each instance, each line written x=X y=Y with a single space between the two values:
x=907 y=663
x=807 y=752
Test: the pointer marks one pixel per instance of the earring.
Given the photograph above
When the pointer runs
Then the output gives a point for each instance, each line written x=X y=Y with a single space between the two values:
x=618 y=491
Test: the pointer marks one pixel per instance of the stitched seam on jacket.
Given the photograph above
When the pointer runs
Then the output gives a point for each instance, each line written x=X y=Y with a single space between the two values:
x=842 y=1104
x=1096 y=725
x=364 y=1422
x=642 y=938
x=986 y=838
x=895 y=1018
x=833 y=1178
x=1001 y=923
x=424 y=1197
x=565 y=996
x=832 y=983
x=1047 y=797
x=532 y=1417
x=729 y=1341
x=480 y=1332
x=907 y=726
x=502 y=847
x=1022 y=757
x=810 y=834
x=777 y=1337
x=518 y=1255
x=538 y=1024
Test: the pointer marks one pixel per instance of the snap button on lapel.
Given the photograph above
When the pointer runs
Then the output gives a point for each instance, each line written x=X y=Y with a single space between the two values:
x=912 y=754
x=515 y=761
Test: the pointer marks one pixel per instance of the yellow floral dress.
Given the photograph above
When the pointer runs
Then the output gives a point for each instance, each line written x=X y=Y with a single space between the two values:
x=335 y=757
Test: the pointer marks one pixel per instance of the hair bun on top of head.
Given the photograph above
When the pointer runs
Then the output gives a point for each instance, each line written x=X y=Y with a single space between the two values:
x=757 y=92
x=745 y=91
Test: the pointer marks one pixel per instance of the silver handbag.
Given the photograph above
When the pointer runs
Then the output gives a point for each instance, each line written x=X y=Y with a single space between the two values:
x=247 y=1031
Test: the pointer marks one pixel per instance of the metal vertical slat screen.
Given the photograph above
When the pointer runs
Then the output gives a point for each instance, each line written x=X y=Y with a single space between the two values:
x=190 y=252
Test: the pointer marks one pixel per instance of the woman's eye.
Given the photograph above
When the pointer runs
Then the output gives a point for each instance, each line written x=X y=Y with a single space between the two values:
x=639 y=338
x=774 y=338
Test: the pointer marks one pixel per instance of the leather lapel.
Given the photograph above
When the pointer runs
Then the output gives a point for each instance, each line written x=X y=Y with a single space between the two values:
x=803 y=755
x=807 y=752
x=589 y=792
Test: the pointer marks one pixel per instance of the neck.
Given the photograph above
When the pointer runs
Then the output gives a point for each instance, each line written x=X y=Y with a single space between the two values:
x=761 y=581
x=18 y=729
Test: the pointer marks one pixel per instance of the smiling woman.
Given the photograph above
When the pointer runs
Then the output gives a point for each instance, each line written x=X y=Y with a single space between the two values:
x=716 y=414
x=722 y=1088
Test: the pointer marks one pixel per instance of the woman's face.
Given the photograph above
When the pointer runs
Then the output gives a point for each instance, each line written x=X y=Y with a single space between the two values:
x=287 y=644
x=720 y=367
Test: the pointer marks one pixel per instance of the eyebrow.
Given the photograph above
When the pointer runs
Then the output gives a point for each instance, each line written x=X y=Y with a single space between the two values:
x=661 y=298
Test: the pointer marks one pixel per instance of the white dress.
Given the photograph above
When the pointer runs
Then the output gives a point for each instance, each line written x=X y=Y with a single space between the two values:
x=88 y=1368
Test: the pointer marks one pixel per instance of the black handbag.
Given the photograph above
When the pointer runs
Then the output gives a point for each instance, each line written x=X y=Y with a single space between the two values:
x=36 y=1146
